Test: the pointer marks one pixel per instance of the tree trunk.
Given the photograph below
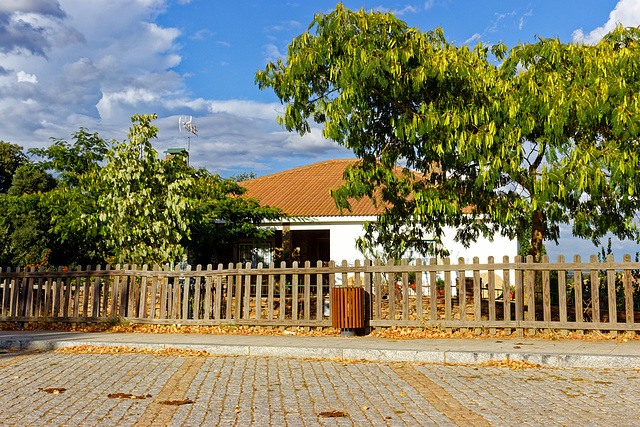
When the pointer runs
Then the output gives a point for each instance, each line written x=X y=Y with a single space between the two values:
x=538 y=223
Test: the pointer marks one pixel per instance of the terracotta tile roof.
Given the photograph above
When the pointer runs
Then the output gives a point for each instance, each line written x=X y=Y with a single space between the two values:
x=305 y=191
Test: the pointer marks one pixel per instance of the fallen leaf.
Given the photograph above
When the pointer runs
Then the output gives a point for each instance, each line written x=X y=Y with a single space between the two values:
x=403 y=394
x=127 y=396
x=53 y=390
x=333 y=414
x=365 y=408
x=177 y=402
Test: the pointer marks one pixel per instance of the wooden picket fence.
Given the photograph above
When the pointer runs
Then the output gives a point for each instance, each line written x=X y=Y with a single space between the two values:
x=511 y=295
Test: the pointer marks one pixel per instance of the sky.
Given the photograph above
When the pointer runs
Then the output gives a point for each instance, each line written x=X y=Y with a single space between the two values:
x=66 y=64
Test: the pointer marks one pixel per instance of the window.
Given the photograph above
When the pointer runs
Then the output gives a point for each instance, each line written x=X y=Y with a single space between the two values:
x=255 y=252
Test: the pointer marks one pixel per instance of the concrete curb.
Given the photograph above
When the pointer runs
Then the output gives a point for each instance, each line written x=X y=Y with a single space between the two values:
x=552 y=360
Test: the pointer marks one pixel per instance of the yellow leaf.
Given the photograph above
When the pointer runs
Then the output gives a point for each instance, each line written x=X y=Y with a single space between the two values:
x=403 y=394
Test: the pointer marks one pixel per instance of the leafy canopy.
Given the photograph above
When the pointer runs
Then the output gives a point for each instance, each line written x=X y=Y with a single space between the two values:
x=548 y=137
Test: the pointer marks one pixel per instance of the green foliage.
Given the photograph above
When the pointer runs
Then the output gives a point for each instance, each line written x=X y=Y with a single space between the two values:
x=548 y=137
x=143 y=210
x=24 y=224
x=11 y=158
x=220 y=214
x=72 y=161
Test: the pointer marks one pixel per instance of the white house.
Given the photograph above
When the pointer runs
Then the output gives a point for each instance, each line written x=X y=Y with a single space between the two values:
x=325 y=234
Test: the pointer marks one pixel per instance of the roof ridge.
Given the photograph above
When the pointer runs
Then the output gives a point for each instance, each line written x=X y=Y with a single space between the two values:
x=300 y=168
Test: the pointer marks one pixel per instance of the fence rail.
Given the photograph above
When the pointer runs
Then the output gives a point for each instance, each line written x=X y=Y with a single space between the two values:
x=517 y=294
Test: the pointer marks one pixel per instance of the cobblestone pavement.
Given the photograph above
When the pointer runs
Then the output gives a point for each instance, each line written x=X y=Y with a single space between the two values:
x=259 y=391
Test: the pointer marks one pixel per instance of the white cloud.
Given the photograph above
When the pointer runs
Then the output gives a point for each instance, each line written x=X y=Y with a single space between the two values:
x=473 y=38
x=272 y=53
x=428 y=4
x=626 y=13
x=26 y=78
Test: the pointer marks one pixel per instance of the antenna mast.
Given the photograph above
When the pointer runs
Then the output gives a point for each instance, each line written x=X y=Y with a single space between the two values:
x=189 y=128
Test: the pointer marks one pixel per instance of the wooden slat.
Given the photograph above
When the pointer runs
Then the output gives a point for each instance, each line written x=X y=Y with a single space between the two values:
x=433 y=292
x=153 y=296
x=611 y=294
x=392 y=292
x=58 y=299
x=367 y=290
x=319 y=293
x=628 y=292
x=447 y=292
x=238 y=291
x=595 y=291
x=506 y=293
x=294 y=293
x=105 y=291
x=66 y=290
x=462 y=290
x=247 y=294
x=208 y=292
x=76 y=294
x=405 y=291
x=332 y=284
x=377 y=283
x=185 y=283
x=196 y=293
x=123 y=293
x=477 y=293
x=29 y=305
x=530 y=290
x=5 y=297
x=492 y=294
x=307 y=292
x=115 y=292
x=546 y=293
x=282 y=292
x=562 y=294
x=230 y=288
x=95 y=312
x=40 y=294
x=270 y=293
x=519 y=304
x=577 y=288
x=164 y=294
x=217 y=309
x=142 y=304
x=259 y=293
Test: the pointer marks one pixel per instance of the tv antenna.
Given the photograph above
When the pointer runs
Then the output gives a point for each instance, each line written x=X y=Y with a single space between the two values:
x=188 y=127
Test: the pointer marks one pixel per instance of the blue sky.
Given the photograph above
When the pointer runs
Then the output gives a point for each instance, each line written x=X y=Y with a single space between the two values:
x=94 y=63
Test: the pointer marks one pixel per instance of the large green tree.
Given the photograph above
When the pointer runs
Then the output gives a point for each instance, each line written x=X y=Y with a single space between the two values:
x=538 y=136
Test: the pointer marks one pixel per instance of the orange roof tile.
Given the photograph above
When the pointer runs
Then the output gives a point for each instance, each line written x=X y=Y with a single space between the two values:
x=305 y=191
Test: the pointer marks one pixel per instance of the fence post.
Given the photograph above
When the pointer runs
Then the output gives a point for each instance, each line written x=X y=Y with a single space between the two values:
x=367 y=296
x=462 y=292
x=217 y=309
x=492 y=295
x=477 y=297
x=611 y=296
x=519 y=295
x=377 y=279
x=628 y=293
x=595 y=290
x=562 y=294
x=405 y=289
x=154 y=291
x=447 y=292
x=577 y=287
x=531 y=295
x=142 y=305
x=546 y=293
x=506 y=293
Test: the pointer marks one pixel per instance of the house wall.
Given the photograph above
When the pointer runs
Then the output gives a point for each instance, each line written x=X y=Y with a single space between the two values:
x=345 y=230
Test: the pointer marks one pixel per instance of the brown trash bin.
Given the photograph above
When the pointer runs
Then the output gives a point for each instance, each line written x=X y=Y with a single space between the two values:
x=347 y=309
